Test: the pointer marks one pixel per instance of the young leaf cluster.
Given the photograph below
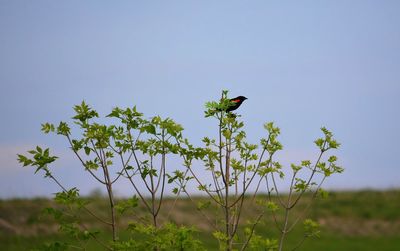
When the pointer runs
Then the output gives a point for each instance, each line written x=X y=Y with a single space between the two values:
x=135 y=148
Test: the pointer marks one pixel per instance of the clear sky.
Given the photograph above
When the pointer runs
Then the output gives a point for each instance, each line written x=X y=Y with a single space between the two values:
x=302 y=64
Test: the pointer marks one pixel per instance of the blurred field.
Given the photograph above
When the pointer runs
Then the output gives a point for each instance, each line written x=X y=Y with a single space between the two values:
x=359 y=220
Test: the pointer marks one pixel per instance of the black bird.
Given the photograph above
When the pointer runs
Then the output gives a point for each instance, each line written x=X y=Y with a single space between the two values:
x=235 y=103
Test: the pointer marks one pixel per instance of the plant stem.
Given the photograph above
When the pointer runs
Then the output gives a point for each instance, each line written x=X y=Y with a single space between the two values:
x=283 y=233
x=112 y=206
x=287 y=209
x=227 y=230
x=153 y=202
x=108 y=183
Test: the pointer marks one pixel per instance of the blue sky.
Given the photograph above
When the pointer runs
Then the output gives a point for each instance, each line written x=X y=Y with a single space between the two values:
x=302 y=65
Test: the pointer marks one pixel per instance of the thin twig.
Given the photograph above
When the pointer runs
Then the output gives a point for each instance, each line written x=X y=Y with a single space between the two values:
x=311 y=176
x=251 y=233
x=83 y=163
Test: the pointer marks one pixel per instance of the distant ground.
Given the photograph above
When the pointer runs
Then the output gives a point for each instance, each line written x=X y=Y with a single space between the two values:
x=352 y=220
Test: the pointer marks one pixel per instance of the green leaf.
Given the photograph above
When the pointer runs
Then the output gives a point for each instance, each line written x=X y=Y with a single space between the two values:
x=327 y=133
x=67 y=197
x=56 y=213
x=40 y=159
x=77 y=144
x=300 y=185
x=337 y=169
x=47 y=127
x=149 y=129
x=115 y=113
x=125 y=205
x=92 y=165
x=322 y=193
x=84 y=113
x=220 y=236
x=295 y=168
x=24 y=160
x=319 y=142
x=334 y=144
x=63 y=129
x=272 y=206
x=311 y=228
x=87 y=150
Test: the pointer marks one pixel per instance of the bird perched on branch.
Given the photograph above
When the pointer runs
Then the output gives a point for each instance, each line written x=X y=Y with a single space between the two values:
x=236 y=102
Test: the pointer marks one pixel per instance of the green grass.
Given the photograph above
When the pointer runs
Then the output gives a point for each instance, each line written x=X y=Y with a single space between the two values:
x=345 y=243
x=360 y=220
x=326 y=242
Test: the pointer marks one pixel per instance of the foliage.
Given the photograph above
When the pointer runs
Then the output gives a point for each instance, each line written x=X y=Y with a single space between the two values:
x=167 y=237
x=136 y=149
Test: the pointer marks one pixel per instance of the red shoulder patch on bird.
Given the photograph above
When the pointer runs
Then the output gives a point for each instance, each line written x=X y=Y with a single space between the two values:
x=236 y=100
